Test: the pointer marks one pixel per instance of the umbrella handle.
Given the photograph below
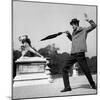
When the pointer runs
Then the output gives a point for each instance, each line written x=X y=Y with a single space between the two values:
x=67 y=32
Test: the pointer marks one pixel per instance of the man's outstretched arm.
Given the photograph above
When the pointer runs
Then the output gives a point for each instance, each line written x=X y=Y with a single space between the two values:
x=91 y=27
x=91 y=22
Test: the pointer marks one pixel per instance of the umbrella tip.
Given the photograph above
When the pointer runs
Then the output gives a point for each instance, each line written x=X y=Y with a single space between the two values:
x=41 y=40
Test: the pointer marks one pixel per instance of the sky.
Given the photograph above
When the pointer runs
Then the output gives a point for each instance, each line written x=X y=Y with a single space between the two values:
x=38 y=20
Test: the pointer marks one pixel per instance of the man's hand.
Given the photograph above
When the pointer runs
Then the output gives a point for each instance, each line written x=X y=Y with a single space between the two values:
x=68 y=35
x=91 y=22
x=86 y=17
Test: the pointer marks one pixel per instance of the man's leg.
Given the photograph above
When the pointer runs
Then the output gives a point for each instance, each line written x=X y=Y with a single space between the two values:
x=84 y=66
x=70 y=61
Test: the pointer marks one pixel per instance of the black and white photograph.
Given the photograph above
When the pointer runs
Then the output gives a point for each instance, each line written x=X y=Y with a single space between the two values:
x=54 y=49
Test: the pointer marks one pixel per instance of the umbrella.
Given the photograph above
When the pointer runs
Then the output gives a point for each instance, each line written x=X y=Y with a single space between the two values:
x=51 y=36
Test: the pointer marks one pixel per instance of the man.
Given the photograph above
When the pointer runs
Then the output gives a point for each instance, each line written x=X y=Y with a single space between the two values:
x=78 y=50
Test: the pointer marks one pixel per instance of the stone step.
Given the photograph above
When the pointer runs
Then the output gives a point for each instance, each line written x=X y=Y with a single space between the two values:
x=34 y=76
x=30 y=83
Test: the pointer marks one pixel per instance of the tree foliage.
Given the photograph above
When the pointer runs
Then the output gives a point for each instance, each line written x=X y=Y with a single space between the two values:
x=57 y=60
x=16 y=55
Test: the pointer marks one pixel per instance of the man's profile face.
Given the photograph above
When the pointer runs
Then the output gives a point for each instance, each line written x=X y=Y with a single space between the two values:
x=74 y=26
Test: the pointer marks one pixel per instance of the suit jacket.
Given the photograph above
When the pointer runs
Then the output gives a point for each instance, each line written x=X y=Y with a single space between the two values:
x=79 y=38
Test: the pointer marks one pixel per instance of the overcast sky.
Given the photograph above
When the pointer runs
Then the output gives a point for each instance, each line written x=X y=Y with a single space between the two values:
x=38 y=20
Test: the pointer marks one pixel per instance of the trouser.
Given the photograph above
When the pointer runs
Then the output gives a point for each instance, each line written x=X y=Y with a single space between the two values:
x=73 y=58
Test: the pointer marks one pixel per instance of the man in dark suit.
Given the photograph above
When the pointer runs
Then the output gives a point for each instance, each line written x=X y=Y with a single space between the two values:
x=78 y=50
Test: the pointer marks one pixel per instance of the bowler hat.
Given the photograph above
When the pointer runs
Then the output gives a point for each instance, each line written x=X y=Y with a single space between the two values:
x=74 y=21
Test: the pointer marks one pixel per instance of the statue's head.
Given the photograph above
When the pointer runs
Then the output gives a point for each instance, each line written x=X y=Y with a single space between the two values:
x=25 y=40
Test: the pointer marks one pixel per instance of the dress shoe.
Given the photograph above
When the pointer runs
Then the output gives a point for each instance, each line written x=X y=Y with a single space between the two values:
x=66 y=89
x=93 y=86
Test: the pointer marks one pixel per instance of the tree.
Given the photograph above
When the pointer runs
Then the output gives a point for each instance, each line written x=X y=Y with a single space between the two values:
x=93 y=64
x=16 y=55
x=51 y=52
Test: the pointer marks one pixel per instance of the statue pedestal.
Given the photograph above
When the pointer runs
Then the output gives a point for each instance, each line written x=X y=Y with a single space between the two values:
x=31 y=68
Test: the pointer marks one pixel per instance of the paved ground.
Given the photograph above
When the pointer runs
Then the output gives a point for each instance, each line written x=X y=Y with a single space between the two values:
x=80 y=86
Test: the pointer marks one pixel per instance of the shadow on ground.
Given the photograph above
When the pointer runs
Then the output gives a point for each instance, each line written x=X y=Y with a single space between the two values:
x=87 y=86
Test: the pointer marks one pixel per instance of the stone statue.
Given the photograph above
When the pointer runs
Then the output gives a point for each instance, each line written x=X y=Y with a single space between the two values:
x=31 y=65
x=26 y=48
